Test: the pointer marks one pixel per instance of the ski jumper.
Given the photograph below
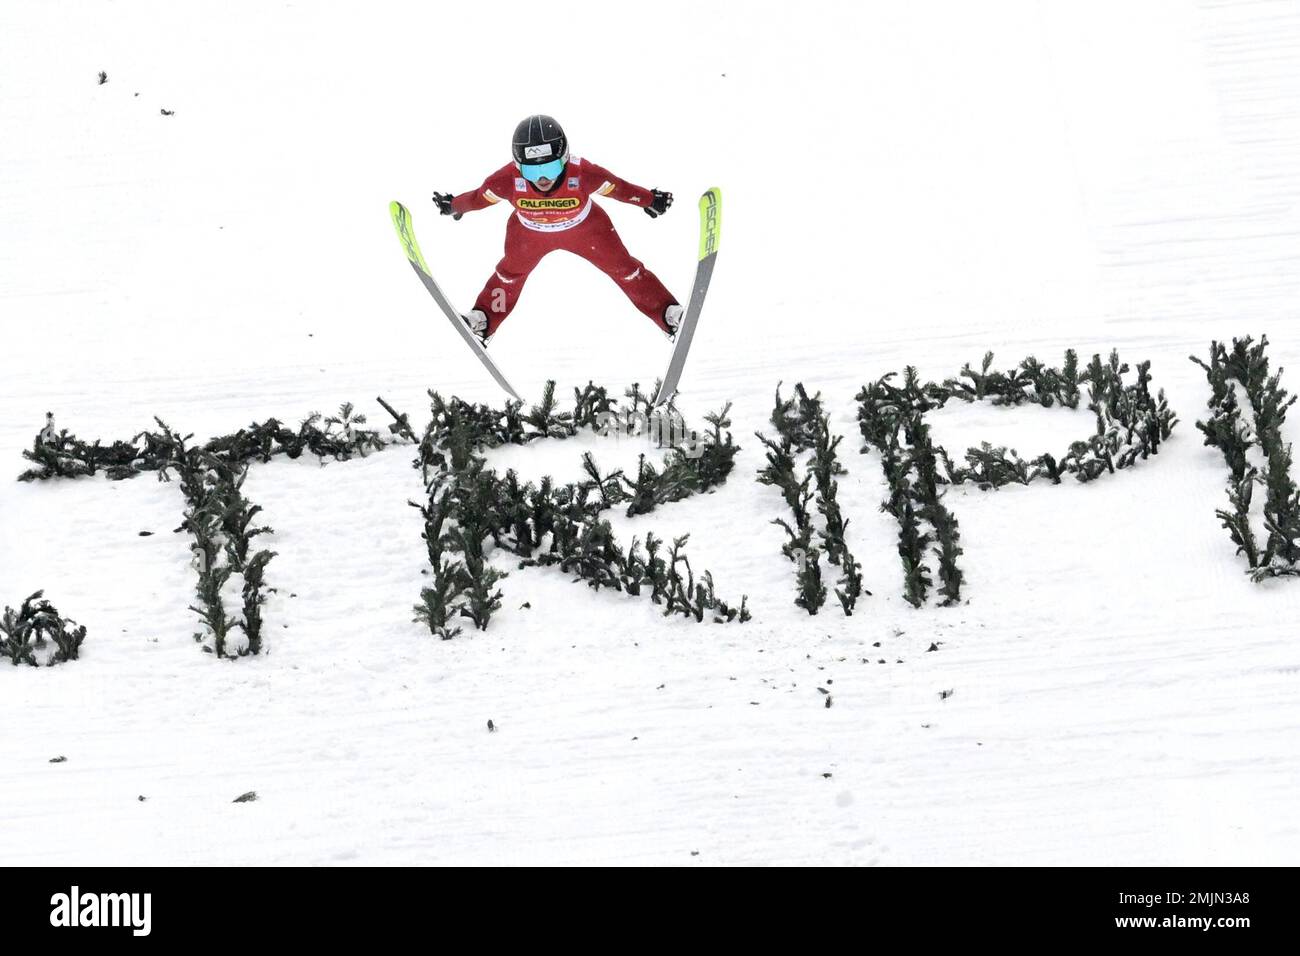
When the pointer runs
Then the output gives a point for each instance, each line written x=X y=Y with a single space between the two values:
x=565 y=218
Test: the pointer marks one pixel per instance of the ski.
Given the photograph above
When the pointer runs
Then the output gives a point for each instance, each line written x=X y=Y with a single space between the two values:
x=710 y=226
x=406 y=233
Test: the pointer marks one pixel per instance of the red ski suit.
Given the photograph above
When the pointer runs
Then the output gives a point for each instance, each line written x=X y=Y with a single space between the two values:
x=566 y=218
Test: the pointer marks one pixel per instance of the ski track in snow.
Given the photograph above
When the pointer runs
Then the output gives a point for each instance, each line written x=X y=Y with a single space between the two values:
x=1121 y=693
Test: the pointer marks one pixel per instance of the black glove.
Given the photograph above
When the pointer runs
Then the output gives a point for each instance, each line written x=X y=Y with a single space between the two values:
x=443 y=201
x=659 y=204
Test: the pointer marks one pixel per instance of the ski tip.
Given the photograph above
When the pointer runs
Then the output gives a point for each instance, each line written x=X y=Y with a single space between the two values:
x=402 y=223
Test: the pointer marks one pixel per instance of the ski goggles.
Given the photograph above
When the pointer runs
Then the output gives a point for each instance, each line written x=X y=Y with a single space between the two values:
x=551 y=170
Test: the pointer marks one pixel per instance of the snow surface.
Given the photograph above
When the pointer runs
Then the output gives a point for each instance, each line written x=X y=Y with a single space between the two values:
x=903 y=183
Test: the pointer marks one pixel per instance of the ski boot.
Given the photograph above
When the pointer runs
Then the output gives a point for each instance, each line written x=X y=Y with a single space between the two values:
x=673 y=319
x=477 y=322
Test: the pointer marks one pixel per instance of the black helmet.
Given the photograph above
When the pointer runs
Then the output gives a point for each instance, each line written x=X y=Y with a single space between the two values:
x=537 y=140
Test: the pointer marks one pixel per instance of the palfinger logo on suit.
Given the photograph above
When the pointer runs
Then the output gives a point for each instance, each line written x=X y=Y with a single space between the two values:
x=568 y=202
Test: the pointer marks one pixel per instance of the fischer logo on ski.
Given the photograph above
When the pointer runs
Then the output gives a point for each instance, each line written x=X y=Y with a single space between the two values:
x=711 y=212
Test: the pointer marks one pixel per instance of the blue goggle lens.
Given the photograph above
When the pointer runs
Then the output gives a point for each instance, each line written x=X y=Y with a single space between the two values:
x=549 y=170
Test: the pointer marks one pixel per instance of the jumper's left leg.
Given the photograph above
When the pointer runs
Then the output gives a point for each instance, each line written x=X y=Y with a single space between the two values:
x=598 y=243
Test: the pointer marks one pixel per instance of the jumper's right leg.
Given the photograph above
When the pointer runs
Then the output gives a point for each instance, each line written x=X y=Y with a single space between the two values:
x=524 y=249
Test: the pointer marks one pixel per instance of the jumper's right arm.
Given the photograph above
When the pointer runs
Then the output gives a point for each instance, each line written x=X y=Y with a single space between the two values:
x=479 y=198
x=488 y=194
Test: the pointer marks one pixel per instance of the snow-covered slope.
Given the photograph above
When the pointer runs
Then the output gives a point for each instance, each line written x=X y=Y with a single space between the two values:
x=904 y=184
